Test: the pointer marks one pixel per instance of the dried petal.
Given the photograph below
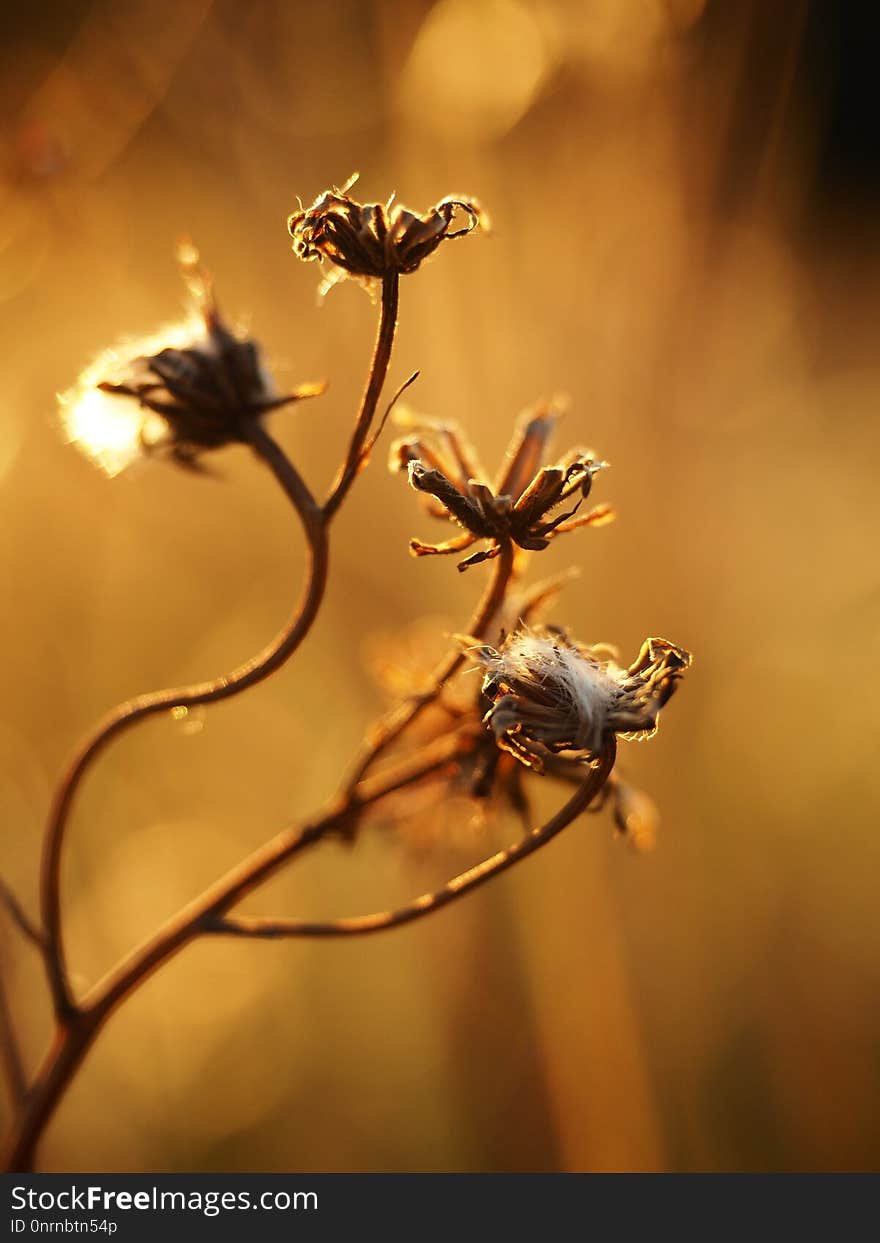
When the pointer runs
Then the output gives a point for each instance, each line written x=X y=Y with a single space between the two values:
x=527 y=449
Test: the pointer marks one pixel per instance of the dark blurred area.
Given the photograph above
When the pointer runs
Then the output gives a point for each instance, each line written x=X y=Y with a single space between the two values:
x=684 y=198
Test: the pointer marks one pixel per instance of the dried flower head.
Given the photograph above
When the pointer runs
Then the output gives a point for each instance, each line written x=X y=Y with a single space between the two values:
x=192 y=387
x=519 y=507
x=373 y=240
x=549 y=694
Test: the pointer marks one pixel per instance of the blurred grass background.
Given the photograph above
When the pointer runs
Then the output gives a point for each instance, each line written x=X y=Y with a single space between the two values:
x=684 y=197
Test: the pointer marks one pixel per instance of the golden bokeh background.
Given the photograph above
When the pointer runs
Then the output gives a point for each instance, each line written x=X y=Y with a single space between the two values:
x=684 y=242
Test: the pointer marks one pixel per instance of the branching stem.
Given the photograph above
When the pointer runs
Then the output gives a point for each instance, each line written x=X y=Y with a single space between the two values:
x=77 y=1031
x=79 y=1021
x=427 y=904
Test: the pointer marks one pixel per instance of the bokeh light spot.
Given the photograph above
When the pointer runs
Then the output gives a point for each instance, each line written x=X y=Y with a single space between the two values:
x=475 y=70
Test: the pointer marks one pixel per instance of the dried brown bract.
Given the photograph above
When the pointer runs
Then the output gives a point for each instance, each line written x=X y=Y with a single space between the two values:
x=521 y=504
x=373 y=240
x=549 y=694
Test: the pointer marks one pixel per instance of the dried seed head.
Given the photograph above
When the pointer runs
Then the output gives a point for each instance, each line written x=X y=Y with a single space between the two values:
x=190 y=388
x=372 y=240
x=520 y=507
x=549 y=694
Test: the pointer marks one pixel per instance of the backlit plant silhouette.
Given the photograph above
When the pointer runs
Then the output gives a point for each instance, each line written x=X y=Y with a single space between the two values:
x=525 y=701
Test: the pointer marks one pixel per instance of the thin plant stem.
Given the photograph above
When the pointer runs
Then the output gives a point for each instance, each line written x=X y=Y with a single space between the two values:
x=126 y=714
x=428 y=903
x=77 y=1031
x=10 y=1054
x=393 y=724
x=354 y=458
x=20 y=917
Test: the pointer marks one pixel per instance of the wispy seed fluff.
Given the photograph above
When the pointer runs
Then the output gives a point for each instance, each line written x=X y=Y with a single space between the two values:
x=550 y=694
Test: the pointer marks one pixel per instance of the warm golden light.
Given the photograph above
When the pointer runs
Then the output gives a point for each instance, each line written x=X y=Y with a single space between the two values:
x=104 y=429
x=685 y=203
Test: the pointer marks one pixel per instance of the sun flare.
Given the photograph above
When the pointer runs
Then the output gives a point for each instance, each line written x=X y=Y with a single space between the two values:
x=113 y=433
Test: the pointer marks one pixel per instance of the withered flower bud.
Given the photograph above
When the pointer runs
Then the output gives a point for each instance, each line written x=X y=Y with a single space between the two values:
x=196 y=385
x=441 y=465
x=549 y=694
x=373 y=240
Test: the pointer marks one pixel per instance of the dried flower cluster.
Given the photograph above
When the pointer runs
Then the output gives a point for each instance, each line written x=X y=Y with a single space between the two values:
x=546 y=705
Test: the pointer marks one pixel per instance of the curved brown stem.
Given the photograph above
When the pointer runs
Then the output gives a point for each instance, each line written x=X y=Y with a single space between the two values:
x=428 y=903
x=126 y=714
x=392 y=725
x=375 y=380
